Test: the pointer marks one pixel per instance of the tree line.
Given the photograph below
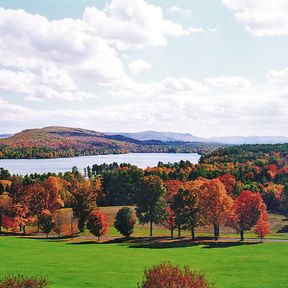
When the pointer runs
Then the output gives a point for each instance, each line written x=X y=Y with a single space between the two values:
x=174 y=204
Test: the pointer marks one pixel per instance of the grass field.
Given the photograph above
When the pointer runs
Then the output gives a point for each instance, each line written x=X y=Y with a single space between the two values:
x=71 y=263
x=81 y=262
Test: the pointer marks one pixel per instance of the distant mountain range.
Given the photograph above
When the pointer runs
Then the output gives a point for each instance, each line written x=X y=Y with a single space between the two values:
x=186 y=137
x=162 y=136
x=2 y=136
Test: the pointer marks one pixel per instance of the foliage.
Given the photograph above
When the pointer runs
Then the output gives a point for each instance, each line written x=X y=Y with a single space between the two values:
x=46 y=221
x=165 y=275
x=23 y=282
x=125 y=221
x=150 y=203
x=247 y=210
x=97 y=223
x=83 y=202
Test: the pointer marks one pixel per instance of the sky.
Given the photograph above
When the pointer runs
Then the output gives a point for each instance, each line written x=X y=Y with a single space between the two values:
x=209 y=67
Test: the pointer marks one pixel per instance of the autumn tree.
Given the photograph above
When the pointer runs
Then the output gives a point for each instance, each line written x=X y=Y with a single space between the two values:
x=215 y=203
x=97 y=223
x=83 y=202
x=125 y=221
x=246 y=211
x=46 y=221
x=150 y=203
x=44 y=196
x=262 y=228
x=229 y=182
x=169 y=222
x=187 y=206
x=6 y=211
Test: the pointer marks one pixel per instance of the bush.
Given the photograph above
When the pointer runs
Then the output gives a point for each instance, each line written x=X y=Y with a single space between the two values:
x=165 y=275
x=22 y=282
x=125 y=221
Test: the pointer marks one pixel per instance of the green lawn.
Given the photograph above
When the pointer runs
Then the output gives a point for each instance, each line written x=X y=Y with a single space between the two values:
x=67 y=264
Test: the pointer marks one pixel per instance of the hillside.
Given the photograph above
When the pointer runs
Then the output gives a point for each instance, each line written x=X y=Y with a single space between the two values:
x=53 y=142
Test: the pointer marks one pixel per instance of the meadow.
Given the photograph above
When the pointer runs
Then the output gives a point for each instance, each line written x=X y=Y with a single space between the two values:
x=72 y=263
x=82 y=262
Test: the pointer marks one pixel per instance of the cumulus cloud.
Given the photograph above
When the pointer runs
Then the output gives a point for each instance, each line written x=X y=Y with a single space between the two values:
x=139 y=66
x=279 y=77
x=83 y=52
x=261 y=18
x=178 y=11
x=228 y=82
x=50 y=83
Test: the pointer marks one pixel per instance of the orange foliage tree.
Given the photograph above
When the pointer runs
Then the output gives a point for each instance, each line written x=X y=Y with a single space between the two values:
x=214 y=203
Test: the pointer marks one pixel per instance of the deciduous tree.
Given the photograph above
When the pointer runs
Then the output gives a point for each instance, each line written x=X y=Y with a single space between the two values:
x=247 y=210
x=150 y=203
x=97 y=223
x=125 y=221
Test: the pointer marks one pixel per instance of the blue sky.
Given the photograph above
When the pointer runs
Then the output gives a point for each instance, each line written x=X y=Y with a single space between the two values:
x=210 y=68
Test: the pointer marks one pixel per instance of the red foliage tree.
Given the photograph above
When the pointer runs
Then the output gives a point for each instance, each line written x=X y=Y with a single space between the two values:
x=229 y=182
x=97 y=223
x=262 y=229
x=247 y=210
x=170 y=221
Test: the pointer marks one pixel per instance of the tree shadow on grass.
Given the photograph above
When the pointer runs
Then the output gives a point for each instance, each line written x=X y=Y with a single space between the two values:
x=205 y=243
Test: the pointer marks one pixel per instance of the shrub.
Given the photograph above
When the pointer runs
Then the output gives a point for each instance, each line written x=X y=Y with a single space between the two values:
x=165 y=275
x=125 y=221
x=97 y=223
x=23 y=282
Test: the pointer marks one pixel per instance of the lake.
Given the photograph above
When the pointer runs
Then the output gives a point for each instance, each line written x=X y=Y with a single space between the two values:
x=142 y=160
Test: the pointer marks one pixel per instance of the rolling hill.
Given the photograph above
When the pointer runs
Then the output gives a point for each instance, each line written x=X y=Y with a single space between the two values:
x=53 y=142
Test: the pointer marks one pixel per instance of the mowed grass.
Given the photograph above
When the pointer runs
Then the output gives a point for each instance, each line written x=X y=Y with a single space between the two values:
x=70 y=263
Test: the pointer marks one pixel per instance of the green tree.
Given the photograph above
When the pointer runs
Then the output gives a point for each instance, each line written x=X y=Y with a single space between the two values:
x=125 y=221
x=150 y=203
x=83 y=202
x=46 y=222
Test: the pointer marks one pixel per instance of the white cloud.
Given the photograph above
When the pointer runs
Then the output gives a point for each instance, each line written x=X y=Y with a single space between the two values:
x=83 y=51
x=179 y=11
x=131 y=23
x=228 y=82
x=261 y=17
x=279 y=77
x=139 y=66
x=50 y=83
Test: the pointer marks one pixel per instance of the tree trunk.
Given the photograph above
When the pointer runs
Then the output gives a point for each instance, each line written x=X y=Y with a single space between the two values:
x=24 y=230
x=179 y=230
x=216 y=231
x=241 y=235
x=151 y=228
x=38 y=225
x=193 y=232
x=172 y=236
x=46 y=235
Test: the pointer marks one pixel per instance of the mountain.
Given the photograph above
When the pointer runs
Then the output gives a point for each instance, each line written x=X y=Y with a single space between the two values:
x=162 y=136
x=52 y=142
x=238 y=140
x=2 y=136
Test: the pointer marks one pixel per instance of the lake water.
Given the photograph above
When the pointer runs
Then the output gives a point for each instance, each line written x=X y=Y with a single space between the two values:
x=142 y=160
